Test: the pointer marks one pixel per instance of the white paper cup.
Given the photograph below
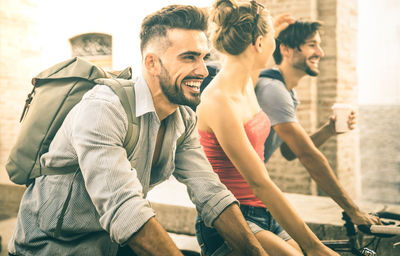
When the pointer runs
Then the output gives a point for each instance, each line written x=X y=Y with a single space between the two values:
x=342 y=112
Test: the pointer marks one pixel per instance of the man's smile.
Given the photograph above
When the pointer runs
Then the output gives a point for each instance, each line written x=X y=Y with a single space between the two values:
x=194 y=85
x=314 y=61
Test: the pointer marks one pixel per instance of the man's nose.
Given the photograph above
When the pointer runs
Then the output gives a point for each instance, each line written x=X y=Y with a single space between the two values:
x=201 y=69
x=320 y=52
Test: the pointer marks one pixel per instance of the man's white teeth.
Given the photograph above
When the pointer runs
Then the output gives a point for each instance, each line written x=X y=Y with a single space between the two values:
x=193 y=84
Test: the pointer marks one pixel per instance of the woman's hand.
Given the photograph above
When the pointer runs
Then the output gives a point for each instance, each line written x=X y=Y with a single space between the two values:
x=281 y=22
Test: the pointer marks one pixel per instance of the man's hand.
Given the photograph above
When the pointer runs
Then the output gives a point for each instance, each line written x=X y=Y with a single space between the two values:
x=281 y=22
x=152 y=239
x=362 y=218
x=351 y=122
x=232 y=226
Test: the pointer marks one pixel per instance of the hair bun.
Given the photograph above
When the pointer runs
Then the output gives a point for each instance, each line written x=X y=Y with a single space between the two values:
x=234 y=24
x=228 y=3
x=223 y=10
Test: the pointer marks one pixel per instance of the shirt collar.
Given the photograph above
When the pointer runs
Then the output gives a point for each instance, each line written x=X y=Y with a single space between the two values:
x=143 y=98
x=145 y=104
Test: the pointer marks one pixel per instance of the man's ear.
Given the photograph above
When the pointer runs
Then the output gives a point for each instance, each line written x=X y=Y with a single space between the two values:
x=151 y=62
x=285 y=50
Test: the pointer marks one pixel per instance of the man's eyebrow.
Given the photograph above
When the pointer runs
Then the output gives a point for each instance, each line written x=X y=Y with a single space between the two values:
x=311 y=41
x=193 y=53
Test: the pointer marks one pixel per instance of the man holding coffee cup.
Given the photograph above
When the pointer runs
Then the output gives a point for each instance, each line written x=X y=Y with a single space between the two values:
x=342 y=114
x=297 y=54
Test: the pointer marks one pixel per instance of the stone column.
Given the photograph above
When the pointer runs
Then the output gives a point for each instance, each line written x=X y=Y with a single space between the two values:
x=338 y=83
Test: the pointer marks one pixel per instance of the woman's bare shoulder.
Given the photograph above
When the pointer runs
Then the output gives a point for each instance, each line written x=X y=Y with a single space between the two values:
x=214 y=106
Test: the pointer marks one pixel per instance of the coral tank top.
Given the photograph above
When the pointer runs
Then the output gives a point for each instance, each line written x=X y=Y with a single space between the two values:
x=257 y=130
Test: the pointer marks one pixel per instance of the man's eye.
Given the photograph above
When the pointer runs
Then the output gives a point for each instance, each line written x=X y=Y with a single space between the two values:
x=189 y=57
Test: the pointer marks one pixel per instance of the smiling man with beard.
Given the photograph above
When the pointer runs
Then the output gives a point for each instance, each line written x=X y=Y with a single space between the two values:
x=104 y=200
x=297 y=54
x=175 y=93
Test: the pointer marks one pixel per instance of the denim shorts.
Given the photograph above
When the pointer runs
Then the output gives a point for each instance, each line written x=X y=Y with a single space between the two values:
x=258 y=219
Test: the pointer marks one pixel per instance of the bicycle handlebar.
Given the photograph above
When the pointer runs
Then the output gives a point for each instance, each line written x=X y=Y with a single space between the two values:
x=390 y=225
x=381 y=229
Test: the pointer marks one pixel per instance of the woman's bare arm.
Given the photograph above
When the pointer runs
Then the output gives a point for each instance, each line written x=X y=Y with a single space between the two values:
x=222 y=118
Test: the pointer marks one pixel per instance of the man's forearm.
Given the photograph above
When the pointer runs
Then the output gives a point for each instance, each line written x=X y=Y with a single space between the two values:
x=318 y=138
x=232 y=226
x=152 y=239
x=318 y=167
x=322 y=135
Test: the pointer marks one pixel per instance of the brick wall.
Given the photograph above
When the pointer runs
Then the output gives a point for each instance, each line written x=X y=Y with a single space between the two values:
x=19 y=53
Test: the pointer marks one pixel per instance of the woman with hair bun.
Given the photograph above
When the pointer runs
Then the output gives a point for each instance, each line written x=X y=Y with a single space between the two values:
x=233 y=129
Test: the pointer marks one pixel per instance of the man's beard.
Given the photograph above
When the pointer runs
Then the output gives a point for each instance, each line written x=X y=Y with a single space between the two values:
x=174 y=93
x=302 y=65
x=311 y=72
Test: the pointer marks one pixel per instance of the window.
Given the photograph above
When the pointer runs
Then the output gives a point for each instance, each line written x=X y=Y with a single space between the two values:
x=94 y=47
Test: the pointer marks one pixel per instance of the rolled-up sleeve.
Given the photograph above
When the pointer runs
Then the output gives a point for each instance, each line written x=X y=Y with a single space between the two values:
x=98 y=132
x=205 y=190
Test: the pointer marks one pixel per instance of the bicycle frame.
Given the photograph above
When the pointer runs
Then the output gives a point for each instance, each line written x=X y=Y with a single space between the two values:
x=390 y=228
x=351 y=245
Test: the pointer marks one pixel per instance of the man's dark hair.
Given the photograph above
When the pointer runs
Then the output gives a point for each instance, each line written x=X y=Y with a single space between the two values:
x=294 y=36
x=173 y=16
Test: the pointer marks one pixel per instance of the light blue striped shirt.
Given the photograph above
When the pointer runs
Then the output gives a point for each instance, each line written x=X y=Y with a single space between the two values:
x=108 y=204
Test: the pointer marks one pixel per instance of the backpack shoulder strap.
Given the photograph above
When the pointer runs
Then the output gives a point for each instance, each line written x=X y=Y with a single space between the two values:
x=126 y=92
x=272 y=73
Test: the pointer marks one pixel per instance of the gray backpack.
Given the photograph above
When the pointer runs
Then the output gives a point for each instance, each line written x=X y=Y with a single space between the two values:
x=55 y=91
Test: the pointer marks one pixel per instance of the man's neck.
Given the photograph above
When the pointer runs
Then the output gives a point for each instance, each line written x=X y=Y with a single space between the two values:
x=163 y=107
x=291 y=75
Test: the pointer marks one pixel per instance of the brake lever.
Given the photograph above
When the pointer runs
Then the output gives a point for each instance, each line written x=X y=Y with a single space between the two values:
x=388 y=222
